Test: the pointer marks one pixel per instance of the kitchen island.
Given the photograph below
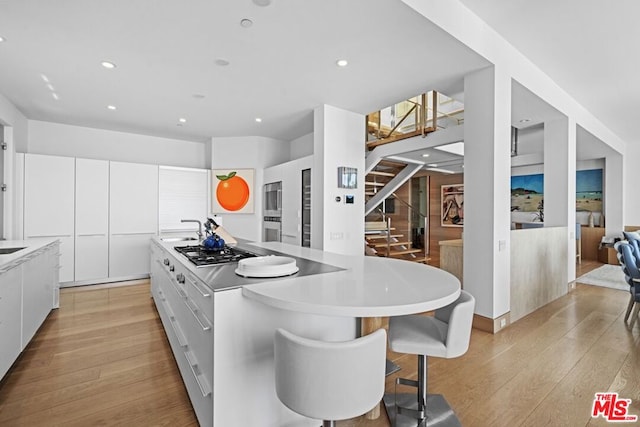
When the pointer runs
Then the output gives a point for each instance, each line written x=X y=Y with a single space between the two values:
x=29 y=290
x=221 y=328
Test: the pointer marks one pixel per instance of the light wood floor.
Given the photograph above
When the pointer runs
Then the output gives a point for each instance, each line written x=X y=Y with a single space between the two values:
x=102 y=359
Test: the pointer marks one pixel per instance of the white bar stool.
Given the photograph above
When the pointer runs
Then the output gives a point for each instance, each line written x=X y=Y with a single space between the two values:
x=330 y=380
x=447 y=335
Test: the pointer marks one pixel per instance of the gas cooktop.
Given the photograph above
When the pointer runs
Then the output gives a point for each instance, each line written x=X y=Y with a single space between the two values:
x=203 y=257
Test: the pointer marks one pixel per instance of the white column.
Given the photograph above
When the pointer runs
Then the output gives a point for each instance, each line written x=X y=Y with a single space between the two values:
x=487 y=172
x=560 y=182
x=613 y=194
x=338 y=140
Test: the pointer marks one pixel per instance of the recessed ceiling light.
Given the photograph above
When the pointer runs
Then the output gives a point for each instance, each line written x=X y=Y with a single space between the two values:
x=525 y=120
x=111 y=107
x=182 y=120
x=246 y=23
x=44 y=78
x=342 y=63
x=258 y=120
x=425 y=155
x=2 y=39
x=262 y=3
x=109 y=65
x=50 y=86
x=55 y=96
x=222 y=62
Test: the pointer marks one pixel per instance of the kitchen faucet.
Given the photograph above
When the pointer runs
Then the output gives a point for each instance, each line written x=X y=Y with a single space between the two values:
x=199 y=232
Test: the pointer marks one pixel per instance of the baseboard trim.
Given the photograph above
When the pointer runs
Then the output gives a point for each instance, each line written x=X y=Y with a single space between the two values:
x=491 y=325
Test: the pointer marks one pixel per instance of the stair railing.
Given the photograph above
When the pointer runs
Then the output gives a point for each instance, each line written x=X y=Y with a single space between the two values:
x=425 y=219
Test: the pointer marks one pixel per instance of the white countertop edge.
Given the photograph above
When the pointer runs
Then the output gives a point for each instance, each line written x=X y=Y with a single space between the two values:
x=250 y=291
x=30 y=246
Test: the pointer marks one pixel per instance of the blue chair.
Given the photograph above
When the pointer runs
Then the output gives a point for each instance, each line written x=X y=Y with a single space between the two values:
x=627 y=257
x=634 y=238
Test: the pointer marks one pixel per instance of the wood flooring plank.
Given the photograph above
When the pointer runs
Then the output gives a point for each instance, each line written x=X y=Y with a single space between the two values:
x=103 y=359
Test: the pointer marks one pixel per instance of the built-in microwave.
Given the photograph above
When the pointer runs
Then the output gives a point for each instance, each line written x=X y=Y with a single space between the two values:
x=272 y=206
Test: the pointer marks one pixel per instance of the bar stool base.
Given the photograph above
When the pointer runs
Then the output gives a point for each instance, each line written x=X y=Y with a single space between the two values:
x=391 y=368
x=439 y=413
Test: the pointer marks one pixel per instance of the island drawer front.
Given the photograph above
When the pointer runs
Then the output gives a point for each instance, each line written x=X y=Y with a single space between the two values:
x=199 y=294
x=199 y=331
x=203 y=405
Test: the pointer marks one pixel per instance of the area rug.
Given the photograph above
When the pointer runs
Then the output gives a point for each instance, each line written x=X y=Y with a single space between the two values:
x=609 y=276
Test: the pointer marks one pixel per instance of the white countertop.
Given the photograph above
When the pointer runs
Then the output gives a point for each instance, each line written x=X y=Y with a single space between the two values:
x=30 y=246
x=368 y=287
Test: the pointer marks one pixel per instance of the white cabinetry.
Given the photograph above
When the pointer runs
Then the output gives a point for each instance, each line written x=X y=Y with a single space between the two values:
x=37 y=293
x=49 y=204
x=183 y=195
x=133 y=219
x=92 y=220
x=28 y=292
x=185 y=305
x=10 y=315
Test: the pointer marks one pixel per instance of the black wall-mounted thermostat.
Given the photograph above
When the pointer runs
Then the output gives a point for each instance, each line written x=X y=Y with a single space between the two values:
x=349 y=199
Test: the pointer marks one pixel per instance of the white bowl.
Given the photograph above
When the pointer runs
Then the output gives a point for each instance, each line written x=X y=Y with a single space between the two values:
x=267 y=266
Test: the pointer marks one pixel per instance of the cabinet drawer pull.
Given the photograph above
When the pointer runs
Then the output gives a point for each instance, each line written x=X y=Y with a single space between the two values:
x=194 y=312
x=174 y=325
x=193 y=365
x=205 y=294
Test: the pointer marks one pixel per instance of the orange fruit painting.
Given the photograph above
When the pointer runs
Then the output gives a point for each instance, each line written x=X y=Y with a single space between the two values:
x=232 y=191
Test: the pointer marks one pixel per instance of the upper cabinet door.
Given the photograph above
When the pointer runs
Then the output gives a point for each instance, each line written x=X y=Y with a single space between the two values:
x=183 y=195
x=133 y=198
x=48 y=196
x=92 y=197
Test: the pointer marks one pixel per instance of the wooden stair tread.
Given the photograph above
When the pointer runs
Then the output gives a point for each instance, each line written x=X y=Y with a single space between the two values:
x=390 y=244
x=381 y=173
x=374 y=184
x=381 y=236
x=404 y=252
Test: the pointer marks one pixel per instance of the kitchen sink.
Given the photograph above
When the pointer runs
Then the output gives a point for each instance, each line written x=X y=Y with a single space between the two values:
x=177 y=239
x=7 y=251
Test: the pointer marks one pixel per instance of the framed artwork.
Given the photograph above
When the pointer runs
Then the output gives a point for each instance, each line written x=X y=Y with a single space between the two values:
x=233 y=191
x=527 y=192
x=589 y=190
x=452 y=205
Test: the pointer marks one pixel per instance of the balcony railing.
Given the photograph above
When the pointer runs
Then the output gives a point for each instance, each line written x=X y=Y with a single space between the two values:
x=419 y=115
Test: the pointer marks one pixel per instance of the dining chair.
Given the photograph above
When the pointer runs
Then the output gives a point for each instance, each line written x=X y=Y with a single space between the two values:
x=330 y=381
x=446 y=335
x=627 y=256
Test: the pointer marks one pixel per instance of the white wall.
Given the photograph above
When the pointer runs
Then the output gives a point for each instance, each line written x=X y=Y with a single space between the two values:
x=247 y=152
x=301 y=147
x=11 y=116
x=16 y=135
x=337 y=142
x=76 y=141
x=632 y=180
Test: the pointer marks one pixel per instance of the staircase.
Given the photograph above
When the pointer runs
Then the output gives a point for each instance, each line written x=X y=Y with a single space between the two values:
x=383 y=240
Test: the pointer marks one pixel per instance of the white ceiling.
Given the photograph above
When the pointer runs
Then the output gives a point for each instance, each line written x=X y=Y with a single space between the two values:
x=588 y=47
x=165 y=51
